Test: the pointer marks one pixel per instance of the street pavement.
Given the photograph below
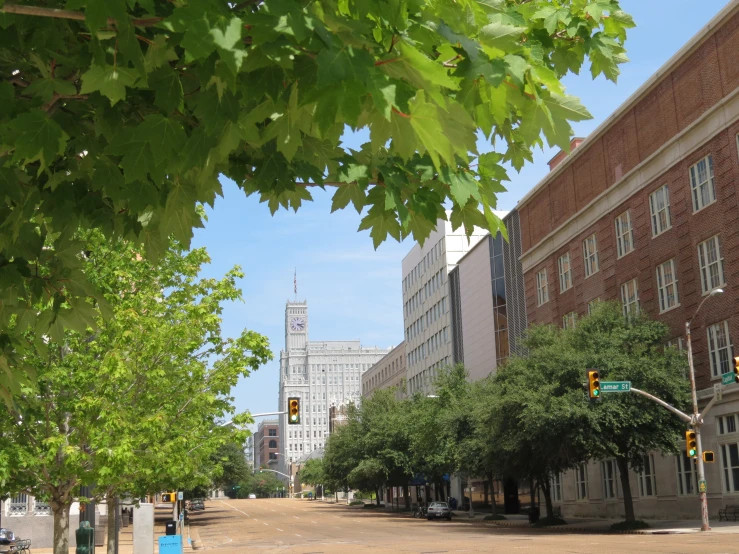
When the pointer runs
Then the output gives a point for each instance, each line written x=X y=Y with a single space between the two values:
x=300 y=526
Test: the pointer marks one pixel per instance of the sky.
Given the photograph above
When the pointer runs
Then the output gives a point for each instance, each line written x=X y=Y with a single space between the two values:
x=354 y=291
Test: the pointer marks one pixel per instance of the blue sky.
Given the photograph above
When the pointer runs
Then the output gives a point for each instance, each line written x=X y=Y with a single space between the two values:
x=354 y=291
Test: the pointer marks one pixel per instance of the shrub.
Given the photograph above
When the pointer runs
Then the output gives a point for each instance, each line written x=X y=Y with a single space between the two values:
x=629 y=525
x=494 y=517
x=549 y=521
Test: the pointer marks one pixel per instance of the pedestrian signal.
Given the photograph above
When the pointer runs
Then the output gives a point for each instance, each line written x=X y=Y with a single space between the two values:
x=293 y=411
x=709 y=457
x=736 y=369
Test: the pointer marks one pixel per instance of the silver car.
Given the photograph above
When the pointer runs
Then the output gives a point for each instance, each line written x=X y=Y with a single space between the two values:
x=439 y=509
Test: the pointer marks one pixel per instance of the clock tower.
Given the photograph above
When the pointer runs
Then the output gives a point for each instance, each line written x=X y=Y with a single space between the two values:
x=296 y=326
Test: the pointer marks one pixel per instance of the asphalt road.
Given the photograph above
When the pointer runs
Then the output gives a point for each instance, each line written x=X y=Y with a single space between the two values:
x=272 y=525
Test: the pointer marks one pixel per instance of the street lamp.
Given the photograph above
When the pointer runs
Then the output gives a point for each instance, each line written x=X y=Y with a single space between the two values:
x=702 y=487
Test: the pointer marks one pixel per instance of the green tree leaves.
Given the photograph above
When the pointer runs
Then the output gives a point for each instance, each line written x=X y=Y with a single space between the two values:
x=124 y=118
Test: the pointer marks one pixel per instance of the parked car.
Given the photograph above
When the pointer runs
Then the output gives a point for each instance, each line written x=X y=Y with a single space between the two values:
x=252 y=496
x=6 y=536
x=439 y=509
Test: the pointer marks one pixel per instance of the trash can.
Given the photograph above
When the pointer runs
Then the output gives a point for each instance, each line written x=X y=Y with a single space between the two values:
x=533 y=514
x=171 y=527
x=85 y=537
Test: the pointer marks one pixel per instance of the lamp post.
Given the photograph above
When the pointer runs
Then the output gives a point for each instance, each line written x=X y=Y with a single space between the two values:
x=697 y=420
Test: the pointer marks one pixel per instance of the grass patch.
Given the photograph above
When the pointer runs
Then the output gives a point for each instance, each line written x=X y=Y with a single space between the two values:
x=371 y=505
x=356 y=503
x=629 y=525
x=550 y=521
x=494 y=517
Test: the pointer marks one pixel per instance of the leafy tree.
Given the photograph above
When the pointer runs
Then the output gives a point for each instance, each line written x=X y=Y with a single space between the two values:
x=120 y=115
x=312 y=473
x=264 y=484
x=132 y=408
x=628 y=426
x=229 y=466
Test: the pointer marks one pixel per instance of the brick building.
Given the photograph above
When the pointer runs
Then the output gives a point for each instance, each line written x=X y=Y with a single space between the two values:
x=267 y=443
x=644 y=211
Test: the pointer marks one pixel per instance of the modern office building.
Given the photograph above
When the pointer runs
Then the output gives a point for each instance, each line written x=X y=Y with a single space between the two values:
x=426 y=302
x=389 y=372
x=249 y=451
x=645 y=212
x=321 y=374
x=488 y=311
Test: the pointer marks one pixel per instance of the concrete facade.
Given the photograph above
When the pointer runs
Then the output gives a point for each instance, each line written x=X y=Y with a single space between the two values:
x=426 y=302
x=321 y=374
x=644 y=212
x=389 y=372
x=31 y=519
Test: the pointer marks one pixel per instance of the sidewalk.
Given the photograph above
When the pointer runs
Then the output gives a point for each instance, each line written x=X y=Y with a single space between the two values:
x=598 y=525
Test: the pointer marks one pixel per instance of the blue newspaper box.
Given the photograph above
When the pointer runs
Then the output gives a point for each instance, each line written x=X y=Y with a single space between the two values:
x=171 y=544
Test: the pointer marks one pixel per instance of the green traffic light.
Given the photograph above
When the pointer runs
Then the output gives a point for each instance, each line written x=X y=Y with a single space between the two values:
x=596 y=392
x=294 y=417
x=693 y=452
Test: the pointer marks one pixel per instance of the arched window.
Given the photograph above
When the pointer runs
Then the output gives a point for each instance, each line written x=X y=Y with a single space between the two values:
x=273 y=444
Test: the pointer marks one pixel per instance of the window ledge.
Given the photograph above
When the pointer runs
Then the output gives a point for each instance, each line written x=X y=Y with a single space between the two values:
x=670 y=309
x=662 y=232
x=627 y=253
x=711 y=203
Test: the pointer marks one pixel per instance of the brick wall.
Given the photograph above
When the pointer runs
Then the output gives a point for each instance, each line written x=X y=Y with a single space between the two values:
x=708 y=74
x=679 y=242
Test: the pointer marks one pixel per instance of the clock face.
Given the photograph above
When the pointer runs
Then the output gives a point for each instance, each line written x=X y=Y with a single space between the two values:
x=297 y=324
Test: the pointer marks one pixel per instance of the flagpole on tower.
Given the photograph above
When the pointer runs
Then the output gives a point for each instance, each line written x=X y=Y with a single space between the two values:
x=295 y=283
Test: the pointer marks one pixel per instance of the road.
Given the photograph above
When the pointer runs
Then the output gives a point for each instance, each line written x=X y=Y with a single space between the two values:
x=272 y=525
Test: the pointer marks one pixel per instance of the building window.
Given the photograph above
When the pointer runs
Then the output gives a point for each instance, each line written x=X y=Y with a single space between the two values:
x=18 y=505
x=667 y=285
x=711 y=264
x=565 y=272
x=272 y=455
x=272 y=432
x=568 y=320
x=273 y=444
x=702 y=183
x=581 y=481
x=542 y=288
x=659 y=207
x=730 y=464
x=41 y=508
x=608 y=470
x=719 y=348
x=624 y=234
x=686 y=475
x=677 y=342
x=647 y=478
x=726 y=424
x=557 y=487
x=590 y=255
x=630 y=297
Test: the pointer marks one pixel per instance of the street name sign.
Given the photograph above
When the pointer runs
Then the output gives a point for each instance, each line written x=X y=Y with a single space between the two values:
x=615 y=386
x=728 y=378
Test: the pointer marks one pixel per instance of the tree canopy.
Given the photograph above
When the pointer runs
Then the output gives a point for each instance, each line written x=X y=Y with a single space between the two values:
x=120 y=115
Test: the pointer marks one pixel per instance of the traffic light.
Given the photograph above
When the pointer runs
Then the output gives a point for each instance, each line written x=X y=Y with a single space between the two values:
x=736 y=369
x=709 y=457
x=293 y=411
x=169 y=497
x=593 y=383
x=691 y=444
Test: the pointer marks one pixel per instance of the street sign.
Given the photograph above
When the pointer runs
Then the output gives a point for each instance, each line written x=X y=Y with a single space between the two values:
x=615 y=386
x=728 y=378
x=180 y=495
x=702 y=485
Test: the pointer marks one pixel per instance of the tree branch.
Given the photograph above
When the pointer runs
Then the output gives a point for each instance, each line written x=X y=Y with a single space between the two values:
x=67 y=14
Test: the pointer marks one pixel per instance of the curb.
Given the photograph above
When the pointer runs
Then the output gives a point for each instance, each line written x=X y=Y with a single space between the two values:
x=590 y=530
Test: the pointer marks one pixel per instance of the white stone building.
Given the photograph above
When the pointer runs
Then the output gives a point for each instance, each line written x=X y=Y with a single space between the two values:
x=426 y=302
x=320 y=373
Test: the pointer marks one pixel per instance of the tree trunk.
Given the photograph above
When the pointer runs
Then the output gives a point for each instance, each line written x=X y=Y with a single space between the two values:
x=492 y=492
x=546 y=486
x=623 y=469
x=379 y=494
x=61 y=526
x=407 y=496
x=486 y=490
x=112 y=508
x=531 y=491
